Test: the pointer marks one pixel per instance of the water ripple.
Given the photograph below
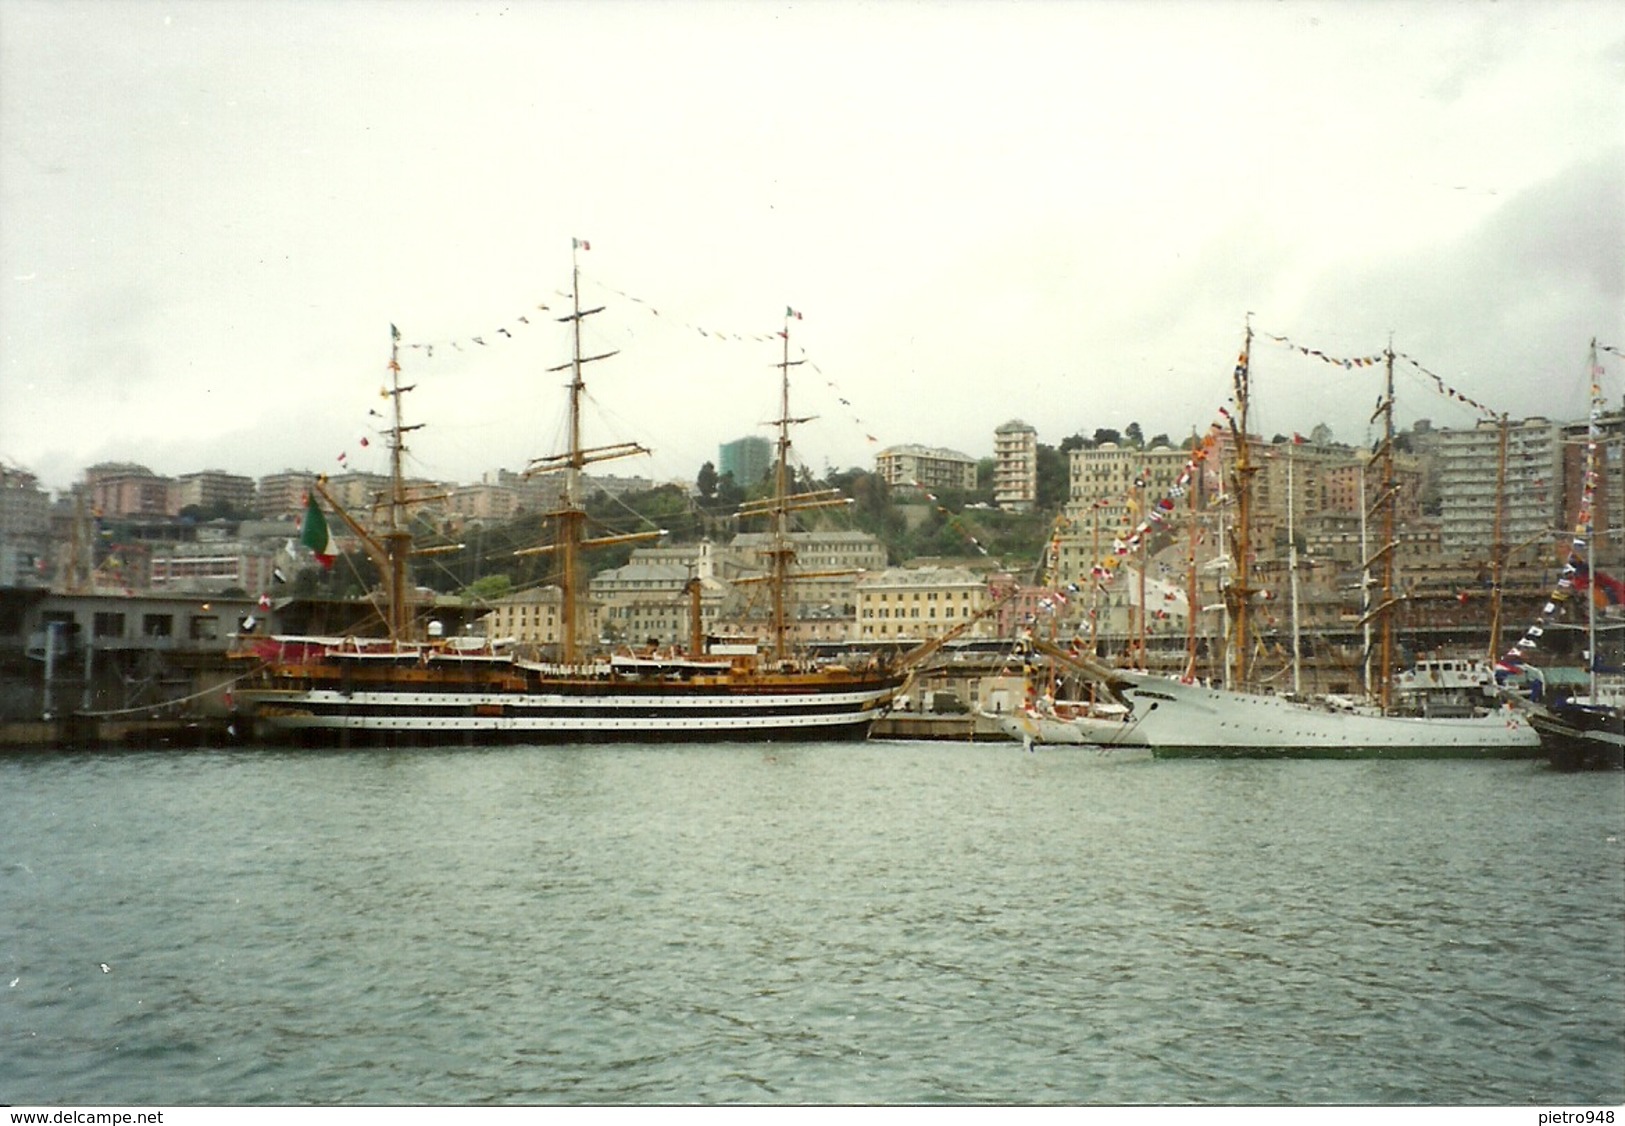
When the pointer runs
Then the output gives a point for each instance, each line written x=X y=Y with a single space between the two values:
x=869 y=924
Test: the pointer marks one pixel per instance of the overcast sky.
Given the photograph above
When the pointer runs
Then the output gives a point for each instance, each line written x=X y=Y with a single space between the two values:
x=1059 y=212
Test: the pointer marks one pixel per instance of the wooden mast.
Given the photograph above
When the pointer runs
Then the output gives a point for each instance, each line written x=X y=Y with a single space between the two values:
x=1385 y=669
x=1240 y=593
x=1292 y=576
x=1498 y=549
x=1191 y=592
x=1145 y=558
x=397 y=536
x=391 y=548
x=781 y=553
x=571 y=515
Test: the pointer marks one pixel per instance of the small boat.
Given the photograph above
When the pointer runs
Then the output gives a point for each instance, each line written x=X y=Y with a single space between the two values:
x=1106 y=728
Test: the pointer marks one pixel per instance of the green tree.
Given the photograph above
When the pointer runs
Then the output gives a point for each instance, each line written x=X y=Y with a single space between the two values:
x=1054 y=477
x=706 y=482
x=490 y=588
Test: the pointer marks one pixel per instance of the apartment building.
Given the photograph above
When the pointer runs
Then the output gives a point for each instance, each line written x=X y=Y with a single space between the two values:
x=925 y=467
x=482 y=502
x=1608 y=496
x=127 y=489
x=1015 y=466
x=25 y=529
x=1110 y=487
x=1468 y=469
x=215 y=488
x=908 y=604
x=748 y=459
x=282 y=494
x=833 y=561
x=647 y=602
x=209 y=568
x=529 y=618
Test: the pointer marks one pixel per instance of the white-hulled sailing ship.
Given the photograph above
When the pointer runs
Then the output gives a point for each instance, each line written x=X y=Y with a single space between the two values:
x=403 y=687
x=1181 y=715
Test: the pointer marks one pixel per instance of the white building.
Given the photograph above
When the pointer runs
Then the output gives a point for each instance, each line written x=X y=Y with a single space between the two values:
x=1015 y=466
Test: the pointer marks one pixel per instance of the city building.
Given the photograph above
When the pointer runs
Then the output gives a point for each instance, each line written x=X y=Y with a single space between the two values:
x=482 y=503
x=126 y=489
x=748 y=459
x=1608 y=499
x=1529 y=502
x=908 y=604
x=1109 y=487
x=282 y=494
x=215 y=489
x=529 y=618
x=925 y=467
x=25 y=529
x=532 y=492
x=209 y=567
x=646 y=603
x=1015 y=466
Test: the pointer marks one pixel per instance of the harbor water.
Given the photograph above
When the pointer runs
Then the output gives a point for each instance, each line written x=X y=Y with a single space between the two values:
x=789 y=924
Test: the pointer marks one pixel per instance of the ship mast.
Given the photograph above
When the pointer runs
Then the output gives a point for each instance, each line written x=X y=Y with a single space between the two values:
x=1192 y=595
x=571 y=515
x=1588 y=524
x=1390 y=489
x=1498 y=549
x=1292 y=578
x=390 y=549
x=781 y=553
x=397 y=536
x=1239 y=596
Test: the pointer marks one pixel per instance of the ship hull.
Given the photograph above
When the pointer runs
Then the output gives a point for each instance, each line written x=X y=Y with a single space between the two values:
x=1582 y=738
x=1118 y=740
x=315 y=704
x=1178 y=719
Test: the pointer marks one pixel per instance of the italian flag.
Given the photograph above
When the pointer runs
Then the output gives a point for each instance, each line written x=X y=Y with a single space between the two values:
x=313 y=533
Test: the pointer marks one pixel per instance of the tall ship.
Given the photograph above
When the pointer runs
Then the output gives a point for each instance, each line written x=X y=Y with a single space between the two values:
x=404 y=686
x=1584 y=730
x=1182 y=715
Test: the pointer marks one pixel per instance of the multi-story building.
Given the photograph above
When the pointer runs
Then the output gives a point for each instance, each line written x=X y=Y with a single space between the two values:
x=482 y=502
x=906 y=604
x=821 y=551
x=1468 y=471
x=533 y=493
x=126 y=489
x=925 y=467
x=530 y=619
x=357 y=492
x=1608 y=498
x=25 y=529
x=613 y=486
x=282 y=494
x=209 y=567
x=748 y=459
x=1015 y=466
x=645 y=603
x=833 y=561
x=1110 y=488
x=215 y=488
